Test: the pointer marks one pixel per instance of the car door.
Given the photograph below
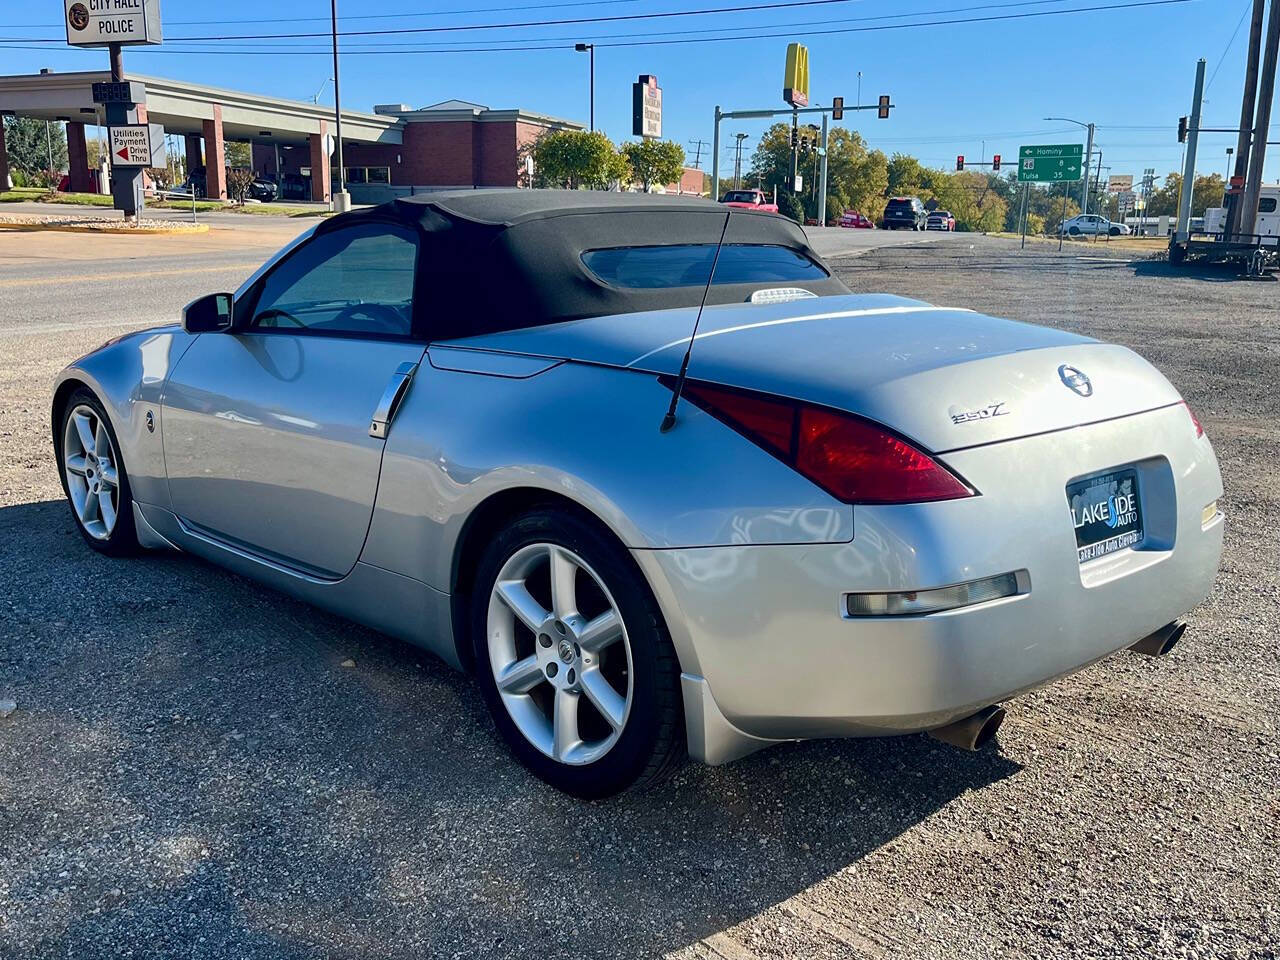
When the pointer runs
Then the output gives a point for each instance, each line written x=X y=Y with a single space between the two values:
x=269 y=436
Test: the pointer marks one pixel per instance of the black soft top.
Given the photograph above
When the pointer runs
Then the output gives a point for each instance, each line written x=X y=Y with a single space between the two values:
x=505 y=259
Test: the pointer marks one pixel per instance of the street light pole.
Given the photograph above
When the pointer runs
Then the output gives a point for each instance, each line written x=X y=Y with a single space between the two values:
x=590 y=48
x=1088 y=158
x=340 y=199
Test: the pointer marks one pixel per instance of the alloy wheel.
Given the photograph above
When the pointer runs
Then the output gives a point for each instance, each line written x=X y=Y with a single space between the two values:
x=91 y=467
x=559 y=652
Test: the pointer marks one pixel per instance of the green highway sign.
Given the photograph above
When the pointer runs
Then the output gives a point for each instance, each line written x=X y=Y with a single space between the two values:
x=1050 y=163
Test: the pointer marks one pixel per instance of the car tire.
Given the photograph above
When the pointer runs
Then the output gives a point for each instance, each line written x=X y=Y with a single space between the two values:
x=626 y=733
x=1074 y=231
x=1114 y=232
x=95 y=481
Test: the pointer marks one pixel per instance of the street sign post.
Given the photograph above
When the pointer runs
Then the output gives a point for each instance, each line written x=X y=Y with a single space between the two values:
x=1050 y=163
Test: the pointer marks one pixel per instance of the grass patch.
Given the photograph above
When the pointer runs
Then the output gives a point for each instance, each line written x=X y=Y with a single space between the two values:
x=38 y=195
x=253 y=209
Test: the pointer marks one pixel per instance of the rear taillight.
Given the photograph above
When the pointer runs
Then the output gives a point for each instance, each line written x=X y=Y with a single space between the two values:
x=1194 y=419
x=853 y=459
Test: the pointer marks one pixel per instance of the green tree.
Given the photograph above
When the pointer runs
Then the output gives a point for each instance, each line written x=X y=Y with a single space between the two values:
x=907 y=176
x=857 y=178
x=654 y=162
x=30 y=141
x=239 y=155
x=577 y=159
x=771 y=161
x=1207 y=192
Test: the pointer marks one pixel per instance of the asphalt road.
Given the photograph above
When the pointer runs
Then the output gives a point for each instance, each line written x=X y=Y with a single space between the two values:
x=191 y=771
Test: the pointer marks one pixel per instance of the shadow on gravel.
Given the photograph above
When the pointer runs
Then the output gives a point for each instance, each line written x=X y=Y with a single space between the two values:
x=1208 y=272
x=192 y=771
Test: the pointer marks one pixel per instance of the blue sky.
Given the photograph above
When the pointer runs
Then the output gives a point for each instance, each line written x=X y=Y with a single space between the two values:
x=954 y=86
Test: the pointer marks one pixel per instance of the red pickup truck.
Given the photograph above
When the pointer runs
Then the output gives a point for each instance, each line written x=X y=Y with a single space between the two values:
x=749 y=199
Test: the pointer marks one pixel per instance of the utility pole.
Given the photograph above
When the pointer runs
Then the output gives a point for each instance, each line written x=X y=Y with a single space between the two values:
x=1235 y=194
x=737 y=161
x=697 y=155
x=1189 y=166
x=590 y=48
x=340 y=199
x=1262 y=122
x=822 y=178
x=715 y=156
x=1088 y=155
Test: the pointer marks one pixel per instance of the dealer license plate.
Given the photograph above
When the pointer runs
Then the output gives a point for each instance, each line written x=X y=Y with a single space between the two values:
x=1107 y=513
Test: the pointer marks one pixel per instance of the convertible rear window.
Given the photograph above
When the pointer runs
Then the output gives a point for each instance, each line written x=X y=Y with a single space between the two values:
x=688 y=265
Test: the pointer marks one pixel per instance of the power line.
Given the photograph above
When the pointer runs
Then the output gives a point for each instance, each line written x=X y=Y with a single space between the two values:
x=383 y=44
x=20 y=43
x=1234 y=33
x=773 y=5
x=363 y=16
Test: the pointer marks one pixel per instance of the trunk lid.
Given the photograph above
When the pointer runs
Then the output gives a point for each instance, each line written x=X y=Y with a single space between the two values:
x=945 y=378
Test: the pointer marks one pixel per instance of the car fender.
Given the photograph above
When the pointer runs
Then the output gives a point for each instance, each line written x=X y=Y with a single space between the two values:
x=461 y=438
x=128 y=375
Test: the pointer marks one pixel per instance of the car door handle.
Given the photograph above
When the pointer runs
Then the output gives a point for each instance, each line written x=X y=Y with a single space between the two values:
x=391 y=397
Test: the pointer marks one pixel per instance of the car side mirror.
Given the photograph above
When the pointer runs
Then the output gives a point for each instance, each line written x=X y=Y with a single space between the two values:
x=208 y=314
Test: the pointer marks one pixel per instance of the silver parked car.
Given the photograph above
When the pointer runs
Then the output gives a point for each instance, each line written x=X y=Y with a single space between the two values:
x=479 y=421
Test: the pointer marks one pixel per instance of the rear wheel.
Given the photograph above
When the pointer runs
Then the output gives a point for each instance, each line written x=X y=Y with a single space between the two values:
x=1074 y=231
x=94 y=477
x=573 y=657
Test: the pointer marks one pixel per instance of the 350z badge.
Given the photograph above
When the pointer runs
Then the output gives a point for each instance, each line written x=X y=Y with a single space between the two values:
x=982 y=413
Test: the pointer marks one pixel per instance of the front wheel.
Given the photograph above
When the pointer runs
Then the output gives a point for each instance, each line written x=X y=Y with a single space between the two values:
x=94 y=477
x=573 y=657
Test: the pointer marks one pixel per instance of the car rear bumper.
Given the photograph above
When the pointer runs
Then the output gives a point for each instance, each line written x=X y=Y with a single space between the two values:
x=769 y=654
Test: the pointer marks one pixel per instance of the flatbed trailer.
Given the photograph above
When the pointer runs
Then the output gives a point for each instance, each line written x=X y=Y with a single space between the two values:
x=1258 y=252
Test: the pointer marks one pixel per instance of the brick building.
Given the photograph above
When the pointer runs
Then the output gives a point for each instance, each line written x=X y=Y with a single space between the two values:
x=396 y=150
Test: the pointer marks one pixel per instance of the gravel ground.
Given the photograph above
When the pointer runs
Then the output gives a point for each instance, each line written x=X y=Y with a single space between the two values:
x=192 y=771
x=98 y=223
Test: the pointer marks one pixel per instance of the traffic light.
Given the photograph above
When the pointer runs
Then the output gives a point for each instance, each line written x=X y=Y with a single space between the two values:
x=1182 y=129
x=995 y=163
x=837 y=108
x=960 y=162
x=793 y=138
x=883 y=112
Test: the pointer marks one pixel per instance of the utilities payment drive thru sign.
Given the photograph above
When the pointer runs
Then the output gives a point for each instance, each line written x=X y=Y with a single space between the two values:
x=131 y=145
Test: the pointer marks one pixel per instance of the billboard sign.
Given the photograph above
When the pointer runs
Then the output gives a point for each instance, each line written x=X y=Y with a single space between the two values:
x=1120 y=183
x=795 y=83
x=97 y=23
x=646 y=107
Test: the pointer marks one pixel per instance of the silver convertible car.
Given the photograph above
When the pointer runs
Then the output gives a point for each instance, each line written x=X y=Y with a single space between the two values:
x=653 y=474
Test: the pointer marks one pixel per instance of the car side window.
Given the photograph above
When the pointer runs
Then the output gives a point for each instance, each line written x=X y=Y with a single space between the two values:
x=355 y=280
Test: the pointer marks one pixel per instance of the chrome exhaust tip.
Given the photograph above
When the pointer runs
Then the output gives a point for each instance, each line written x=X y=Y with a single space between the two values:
x=1162 y=641
x=973 y=732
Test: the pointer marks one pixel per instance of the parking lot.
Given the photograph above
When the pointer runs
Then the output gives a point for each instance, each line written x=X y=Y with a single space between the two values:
x=200 y=767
